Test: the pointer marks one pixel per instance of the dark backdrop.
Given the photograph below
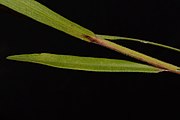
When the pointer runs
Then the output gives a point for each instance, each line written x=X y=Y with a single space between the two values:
x=32 y=91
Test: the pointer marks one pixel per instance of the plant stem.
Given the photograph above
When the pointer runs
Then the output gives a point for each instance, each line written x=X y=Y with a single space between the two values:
x=140 y=56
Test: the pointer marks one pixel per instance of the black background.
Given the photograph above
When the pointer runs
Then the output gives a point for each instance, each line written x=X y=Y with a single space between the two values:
x=32 y=91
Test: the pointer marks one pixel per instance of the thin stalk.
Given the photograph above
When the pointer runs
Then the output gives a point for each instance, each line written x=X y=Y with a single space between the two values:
x=140 y=56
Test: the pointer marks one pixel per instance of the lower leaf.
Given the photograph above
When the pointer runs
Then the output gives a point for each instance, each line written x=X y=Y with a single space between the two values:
x=85 y=63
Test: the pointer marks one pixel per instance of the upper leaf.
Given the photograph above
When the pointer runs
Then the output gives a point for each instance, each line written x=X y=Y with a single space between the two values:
x=41 y=13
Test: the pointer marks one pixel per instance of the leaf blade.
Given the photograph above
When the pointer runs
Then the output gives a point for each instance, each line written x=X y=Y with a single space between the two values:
x=41 y=13
x=84 y=63
x=110 y=37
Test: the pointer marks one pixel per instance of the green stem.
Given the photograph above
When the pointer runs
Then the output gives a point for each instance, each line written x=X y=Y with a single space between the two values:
x=140 y=56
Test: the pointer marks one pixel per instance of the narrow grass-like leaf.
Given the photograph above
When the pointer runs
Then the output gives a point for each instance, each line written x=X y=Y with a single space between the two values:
x=41 y=13
x=85 y=63
x=109 y=37
x=44 y=15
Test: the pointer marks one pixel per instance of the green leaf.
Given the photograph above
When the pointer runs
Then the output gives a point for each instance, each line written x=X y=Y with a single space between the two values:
x=41 y=13
x=44 y=15
x=109 y=37
x=85 y=63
